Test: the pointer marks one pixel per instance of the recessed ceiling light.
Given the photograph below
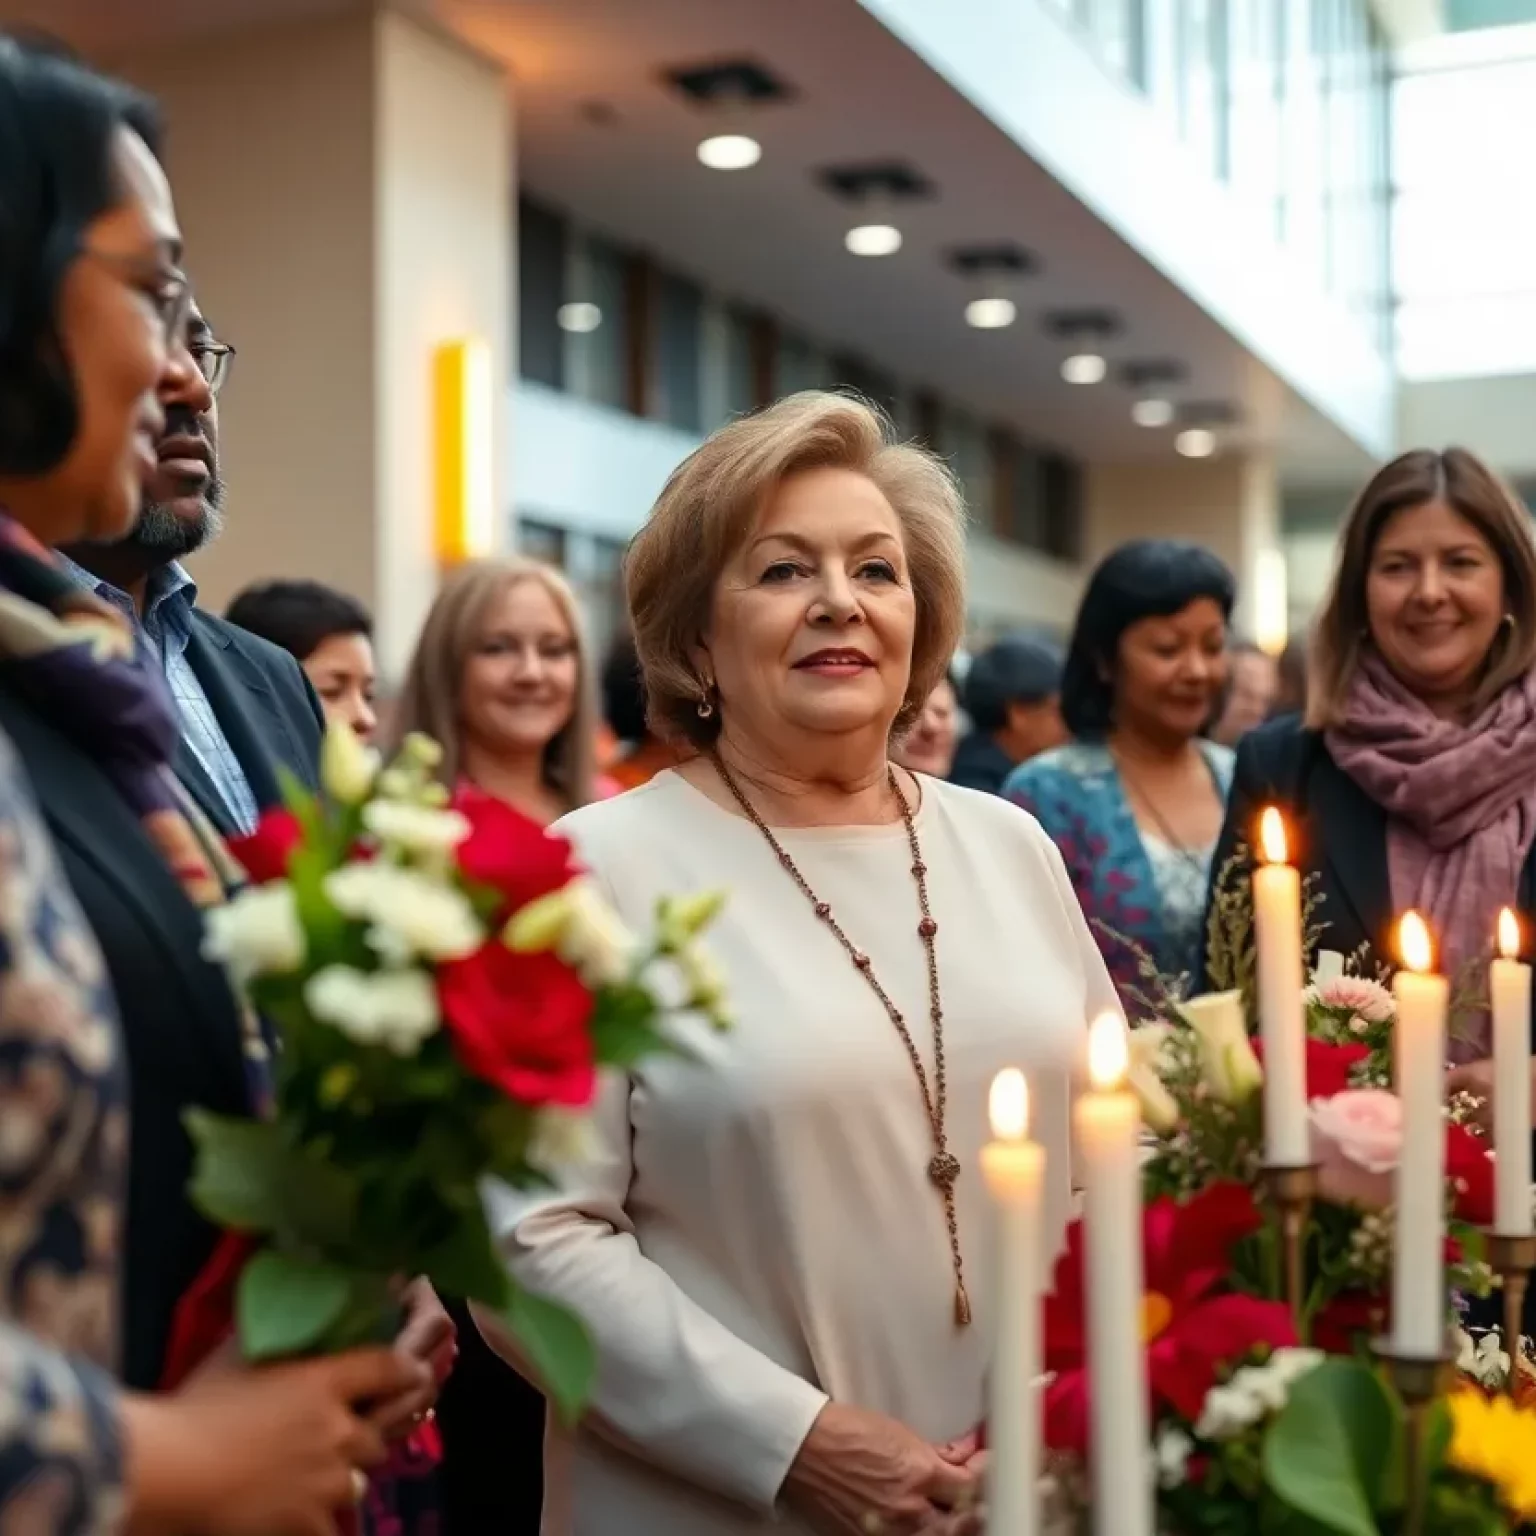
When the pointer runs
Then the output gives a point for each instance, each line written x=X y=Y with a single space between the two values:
x=730 y=152
x=1196 y=443
x=579 y=317
x=991 y=314
x=1152 y=412
x=1084 y=368
x=873 y=240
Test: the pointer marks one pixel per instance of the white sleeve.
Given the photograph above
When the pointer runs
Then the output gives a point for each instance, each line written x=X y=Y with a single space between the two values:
x=673 y=1384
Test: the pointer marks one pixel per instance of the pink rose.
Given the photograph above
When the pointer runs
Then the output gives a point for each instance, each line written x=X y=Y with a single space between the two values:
x=1358 y=995
x=1357 y=1139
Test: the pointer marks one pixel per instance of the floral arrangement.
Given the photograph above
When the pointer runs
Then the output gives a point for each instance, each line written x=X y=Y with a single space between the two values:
x=442 y=986
x=1264 y=1419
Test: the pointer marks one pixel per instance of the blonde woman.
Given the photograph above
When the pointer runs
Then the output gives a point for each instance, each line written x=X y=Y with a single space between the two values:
x=502 y=679
x=779 y=1239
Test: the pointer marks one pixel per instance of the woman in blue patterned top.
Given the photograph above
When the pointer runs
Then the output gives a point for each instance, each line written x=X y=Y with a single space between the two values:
x=1135 y=802
x=90 y=296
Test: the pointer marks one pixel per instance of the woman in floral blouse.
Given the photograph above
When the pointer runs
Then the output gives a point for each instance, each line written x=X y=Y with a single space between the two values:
x=90 y=295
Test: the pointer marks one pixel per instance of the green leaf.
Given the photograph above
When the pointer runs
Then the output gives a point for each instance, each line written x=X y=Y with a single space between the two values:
x=558 y=1347
x=286 y=1305
x=1328 y=1452
x=467 y=1266
x=238 y=1180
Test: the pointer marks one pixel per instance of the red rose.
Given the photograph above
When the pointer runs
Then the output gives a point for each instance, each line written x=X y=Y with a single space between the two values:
x=265 y=853
x=510 y=852
x=1470 y=1170
x=520 y=1022
x=1349 y=1319
x=1328 y=1066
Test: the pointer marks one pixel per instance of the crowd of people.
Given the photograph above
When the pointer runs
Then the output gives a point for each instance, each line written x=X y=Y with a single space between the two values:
x=777 y=1239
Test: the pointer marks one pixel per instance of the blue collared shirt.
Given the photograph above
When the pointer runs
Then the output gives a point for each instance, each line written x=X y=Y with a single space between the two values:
x=165 y=628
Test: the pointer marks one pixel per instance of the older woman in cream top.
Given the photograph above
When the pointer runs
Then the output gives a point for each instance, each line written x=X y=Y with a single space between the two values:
x=781 y=1241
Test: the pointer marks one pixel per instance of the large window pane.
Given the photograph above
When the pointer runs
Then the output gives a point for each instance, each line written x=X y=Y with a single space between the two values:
x=540 y=292
x=674 y=364
x=596 y=360
x=798 y=364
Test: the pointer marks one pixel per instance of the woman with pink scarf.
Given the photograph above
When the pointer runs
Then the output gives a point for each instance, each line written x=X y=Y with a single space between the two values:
x=1411 y=779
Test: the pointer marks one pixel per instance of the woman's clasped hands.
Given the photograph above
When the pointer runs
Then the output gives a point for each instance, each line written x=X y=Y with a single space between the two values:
x=859 y=1473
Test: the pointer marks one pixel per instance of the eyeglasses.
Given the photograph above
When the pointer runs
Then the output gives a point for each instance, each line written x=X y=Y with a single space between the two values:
x=213 y=359
x=166 y=288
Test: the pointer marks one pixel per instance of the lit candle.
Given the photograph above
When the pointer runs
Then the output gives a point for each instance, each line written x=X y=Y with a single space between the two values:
x=1107 y=1121
x=1282 y=1023
x=1014 y=1168
x=1329 y=967
x=1509 y=985
x=1418 y=1261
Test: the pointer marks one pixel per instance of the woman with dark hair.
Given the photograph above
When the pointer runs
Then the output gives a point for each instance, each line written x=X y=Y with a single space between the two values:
x=92 y=311
x=641 y=753
x=328 y=633
x=1135 y=802
x=1411 y=779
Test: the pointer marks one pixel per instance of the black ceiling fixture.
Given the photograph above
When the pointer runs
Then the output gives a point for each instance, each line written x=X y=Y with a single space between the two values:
x=1152 y=373
x=998 y=259
x=1209 y=413
x=729 y=83
x=1078 y=324
x=892 y=181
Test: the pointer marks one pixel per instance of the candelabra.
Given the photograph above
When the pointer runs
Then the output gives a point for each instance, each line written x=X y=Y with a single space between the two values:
x=1418 y=1380
x=1291 y=1192
x=1511 y=1258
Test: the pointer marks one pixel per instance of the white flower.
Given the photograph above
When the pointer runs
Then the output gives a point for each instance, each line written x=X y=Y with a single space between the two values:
x=1172 y=1451
x=395 y=1009
x=682 y=918
x=1482 y=1358
x=417 y=829
x=258 y=933
x=1293 y=1363
x=347 y=767
x=1148 y=1045
x=1227 y=1412
x=704 y=979
x=1228 y=1064
x=1353 y=994
x=561 y=1138
x=581 y=927
x=409 y=913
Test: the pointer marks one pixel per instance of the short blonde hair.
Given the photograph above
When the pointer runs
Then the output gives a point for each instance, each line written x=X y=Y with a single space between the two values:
x=707 y=511
x=1463 y=482
x=429 y=702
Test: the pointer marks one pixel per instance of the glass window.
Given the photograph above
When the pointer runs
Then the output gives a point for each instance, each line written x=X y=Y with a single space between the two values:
x=874 y=384
x=540 y=293
x=1253 y=80
x=967 y=447
x=1203 y=65
x=596 y=322
x=740 y=373
x=675 y=360
x=1062 y=506
x=541 y=541
x=798 y=365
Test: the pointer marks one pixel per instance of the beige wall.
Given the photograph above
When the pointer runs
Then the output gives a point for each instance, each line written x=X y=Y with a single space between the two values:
x=1230 y=504
x=346 y=188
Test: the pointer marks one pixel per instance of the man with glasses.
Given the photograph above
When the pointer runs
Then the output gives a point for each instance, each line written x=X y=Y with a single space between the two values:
x=245 y=706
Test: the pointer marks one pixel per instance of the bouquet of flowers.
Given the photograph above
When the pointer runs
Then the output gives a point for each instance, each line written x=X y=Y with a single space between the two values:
x=443 y=985
x=1265 y=1419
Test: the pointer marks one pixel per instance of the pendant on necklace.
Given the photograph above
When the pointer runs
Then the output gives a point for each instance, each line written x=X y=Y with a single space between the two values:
x=944 y=1169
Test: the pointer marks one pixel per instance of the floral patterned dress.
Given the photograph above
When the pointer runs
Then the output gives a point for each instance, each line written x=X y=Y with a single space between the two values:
x=63 y=1152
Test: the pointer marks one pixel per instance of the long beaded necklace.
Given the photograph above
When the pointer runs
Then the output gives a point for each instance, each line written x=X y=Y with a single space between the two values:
x=943 y=1166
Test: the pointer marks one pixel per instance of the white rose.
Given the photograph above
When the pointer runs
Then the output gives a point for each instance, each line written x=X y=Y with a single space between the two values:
x=1227 y=1412
x=1148 y=1045
x=594 y=939
x=1172 y=1452
x=347 y=767
x=395 y=1009
x=418 y=829
x=1292 y=1363
x=258 y=932
x=409 y=912
x=1229 y=1065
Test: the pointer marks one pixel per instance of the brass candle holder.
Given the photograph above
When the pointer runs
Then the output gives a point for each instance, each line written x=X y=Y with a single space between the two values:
x=1291 y=1192
x=1418 y=1380
x=1512 y=1257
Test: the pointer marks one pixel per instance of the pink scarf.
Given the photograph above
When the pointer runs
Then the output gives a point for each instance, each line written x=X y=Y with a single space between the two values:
x=1460 y=802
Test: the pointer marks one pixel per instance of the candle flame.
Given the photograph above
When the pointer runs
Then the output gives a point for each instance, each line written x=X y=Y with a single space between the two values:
x=1108 y=1051
x=1272 y=836
x=1509 y=934
x=1008 y=1105
x=1413 y=942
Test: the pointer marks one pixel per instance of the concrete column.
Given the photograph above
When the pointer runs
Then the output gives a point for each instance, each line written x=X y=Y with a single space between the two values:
x=347 y=189
x=1230 y=504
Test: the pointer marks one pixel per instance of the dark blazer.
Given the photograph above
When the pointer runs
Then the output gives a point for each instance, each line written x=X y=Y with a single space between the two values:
x=180 y=1022
x=1341 y=833
x=265 y=706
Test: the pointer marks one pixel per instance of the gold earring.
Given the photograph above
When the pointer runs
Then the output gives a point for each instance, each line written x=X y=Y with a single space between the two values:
x=706 y=705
